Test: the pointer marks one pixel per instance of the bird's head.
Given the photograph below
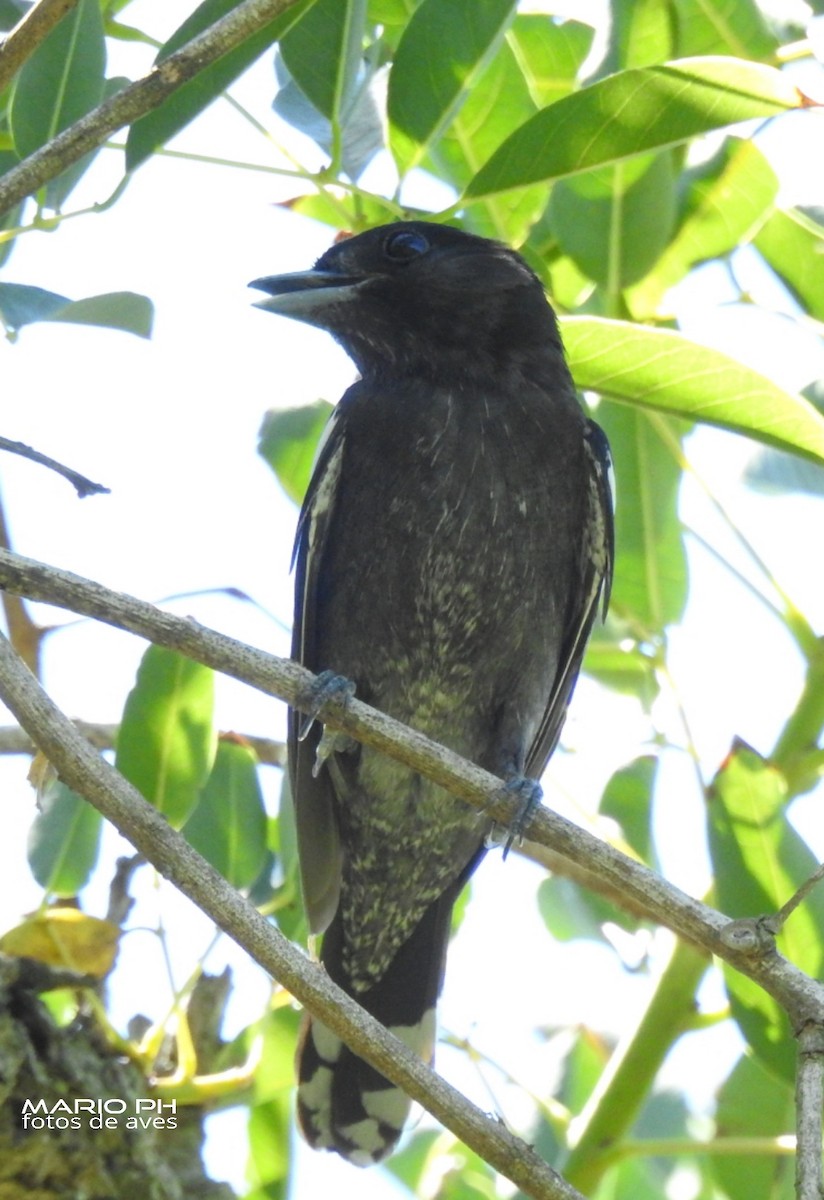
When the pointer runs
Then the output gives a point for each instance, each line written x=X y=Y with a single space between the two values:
x=425 y=298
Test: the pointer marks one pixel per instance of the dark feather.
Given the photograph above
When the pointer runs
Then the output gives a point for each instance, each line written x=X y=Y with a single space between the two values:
x=452 y=553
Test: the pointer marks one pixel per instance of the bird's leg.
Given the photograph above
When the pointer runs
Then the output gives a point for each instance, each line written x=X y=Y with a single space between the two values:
x=326 y=688
x=530 y=793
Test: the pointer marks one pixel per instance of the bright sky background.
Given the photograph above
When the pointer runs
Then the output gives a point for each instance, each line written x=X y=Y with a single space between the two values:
x=171 y=426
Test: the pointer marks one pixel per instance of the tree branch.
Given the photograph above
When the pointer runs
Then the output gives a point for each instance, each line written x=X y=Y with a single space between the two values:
x=82 y=485
x=742 y=943
x=136 y=100
x=747 y=944
x=809 y=1101
x=32 y=29
x=83 y=769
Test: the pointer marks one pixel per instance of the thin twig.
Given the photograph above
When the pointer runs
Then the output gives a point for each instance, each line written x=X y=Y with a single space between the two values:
x=776 y=922
x=32 y=29
x=136 y=100
x=82 y=485
x=14 y=740
x=84 y=770
x=120 y=902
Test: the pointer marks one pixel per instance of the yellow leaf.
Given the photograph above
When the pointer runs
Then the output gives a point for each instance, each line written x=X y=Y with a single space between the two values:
x=65 y=937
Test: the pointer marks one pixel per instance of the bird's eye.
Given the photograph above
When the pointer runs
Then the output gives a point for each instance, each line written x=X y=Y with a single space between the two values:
x=405 y=245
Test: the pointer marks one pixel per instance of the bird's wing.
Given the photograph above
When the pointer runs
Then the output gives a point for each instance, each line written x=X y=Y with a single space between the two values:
x=313 y=796
x=596 y=579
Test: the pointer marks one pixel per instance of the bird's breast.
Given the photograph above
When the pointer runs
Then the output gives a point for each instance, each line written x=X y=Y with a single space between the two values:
x=451 y=549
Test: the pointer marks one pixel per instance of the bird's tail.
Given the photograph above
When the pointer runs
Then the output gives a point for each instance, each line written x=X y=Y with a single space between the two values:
x=344 y=1104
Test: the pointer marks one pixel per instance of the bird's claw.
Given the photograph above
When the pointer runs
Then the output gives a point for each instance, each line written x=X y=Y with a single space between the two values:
x=530 y=794
x=326 y=687
x=331 y=742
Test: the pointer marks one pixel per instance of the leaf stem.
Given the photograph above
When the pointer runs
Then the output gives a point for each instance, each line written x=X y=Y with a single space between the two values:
x=630 y=1073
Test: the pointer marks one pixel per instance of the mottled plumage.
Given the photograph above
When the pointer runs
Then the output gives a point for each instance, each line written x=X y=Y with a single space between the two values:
x=452 y=550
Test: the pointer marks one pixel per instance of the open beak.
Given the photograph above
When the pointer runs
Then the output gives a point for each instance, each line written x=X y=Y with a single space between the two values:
x=305 y=295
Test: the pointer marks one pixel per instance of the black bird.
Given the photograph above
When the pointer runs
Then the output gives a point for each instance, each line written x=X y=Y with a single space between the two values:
x=453 y=548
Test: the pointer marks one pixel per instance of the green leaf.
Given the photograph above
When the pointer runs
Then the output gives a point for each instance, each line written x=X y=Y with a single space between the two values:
x=158 y=126
x=441 y=53
x=570 y=912
x=127 y=33
x=583 y=1068
x=793 y=245
x=759 y=861
x=627 y=799
x=466 y=1177
x=724 y=27
x=228 y=826
x=270 y=1114
x=21 y=304
x=569 y=287
x=637 y=1178
x=11 y=218
x=500 y=100
x=62 y=81
x=262 y=892
x=758 y=857
x=61 y=186
x=411 y=1163
x=615 y=222
x=126 y=311
x=644 y=108
x=323 y=52
x=549 y=53
x=641 y=32
x=615 y=658
x=630 y=1076
x=774 y=473
x=274 y=1037
x=64 y=841
x=660 y=369
x=650 y=584
x=288 y=442
x=753 y=1103
x=535 y=64
x=727 y=200
x=166 y=743
x=352 y=212
x=392 y=15
x=10 y=13
x=355 y=130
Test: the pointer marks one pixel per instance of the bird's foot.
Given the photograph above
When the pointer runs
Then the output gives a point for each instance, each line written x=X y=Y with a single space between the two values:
x=326 y=688
x=530 y=794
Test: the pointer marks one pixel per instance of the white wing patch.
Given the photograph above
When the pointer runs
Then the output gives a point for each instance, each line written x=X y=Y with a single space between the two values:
x=319 y=514
x=600 y=509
